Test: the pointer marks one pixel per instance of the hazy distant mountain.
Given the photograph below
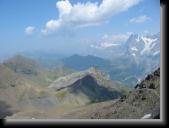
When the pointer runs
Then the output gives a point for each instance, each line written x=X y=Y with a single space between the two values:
x=48 y=59
x=143 y=45
x=145 y=53
x=43 y=74
x=23 y=65
x=135 y=45
x=128 y=62
x=133 y=59
x=79 y=62
x=32 y=70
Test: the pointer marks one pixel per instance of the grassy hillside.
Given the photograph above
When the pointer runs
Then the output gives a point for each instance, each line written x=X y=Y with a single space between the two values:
x=21 y=94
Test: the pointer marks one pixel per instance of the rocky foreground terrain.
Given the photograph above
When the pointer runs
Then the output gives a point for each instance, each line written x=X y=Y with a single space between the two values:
x=142 y=103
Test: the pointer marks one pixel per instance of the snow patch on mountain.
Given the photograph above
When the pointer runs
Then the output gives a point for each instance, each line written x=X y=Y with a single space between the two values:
x=156 y=53
x=134 y=49
x=147 y=44
x=138 y=39
x=146 y=116
x=134 y=54
x=148 y=41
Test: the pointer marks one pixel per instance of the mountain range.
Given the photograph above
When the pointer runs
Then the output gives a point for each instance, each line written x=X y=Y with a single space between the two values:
x=24 y=88
x=87 y=93
x=134 y=59
x=143 y=102
x=127 y=62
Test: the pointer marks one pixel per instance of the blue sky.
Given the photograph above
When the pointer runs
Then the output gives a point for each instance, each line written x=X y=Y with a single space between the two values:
x=27 y=25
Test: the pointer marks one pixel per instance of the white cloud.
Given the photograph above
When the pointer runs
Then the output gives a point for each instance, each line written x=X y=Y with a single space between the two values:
x=107 y=45
x=105 y=36
x=114 y=40
x=29 y=30
x=139 y=19
x=87 y=14
x=120 y=37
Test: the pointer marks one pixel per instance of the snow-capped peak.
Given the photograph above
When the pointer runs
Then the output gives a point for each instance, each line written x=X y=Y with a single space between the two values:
x=135 y=46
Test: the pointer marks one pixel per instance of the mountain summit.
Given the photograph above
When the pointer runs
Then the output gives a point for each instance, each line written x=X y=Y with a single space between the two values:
x=22 y=64
x=92 y=84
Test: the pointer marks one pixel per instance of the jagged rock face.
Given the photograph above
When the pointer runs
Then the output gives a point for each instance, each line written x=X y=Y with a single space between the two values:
x=150 y=80
x=144 y=100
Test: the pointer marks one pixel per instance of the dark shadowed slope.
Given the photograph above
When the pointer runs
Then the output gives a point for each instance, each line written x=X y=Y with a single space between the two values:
x=87 y=86
x=4 y=110
x=142 y=103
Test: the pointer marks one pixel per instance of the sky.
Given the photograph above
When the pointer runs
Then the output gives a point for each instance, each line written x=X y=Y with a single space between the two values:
x=73 y=25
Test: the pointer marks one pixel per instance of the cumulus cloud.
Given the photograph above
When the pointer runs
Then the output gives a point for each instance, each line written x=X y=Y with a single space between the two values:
x=139 y=19
x=29 y=30
x=87 y=14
